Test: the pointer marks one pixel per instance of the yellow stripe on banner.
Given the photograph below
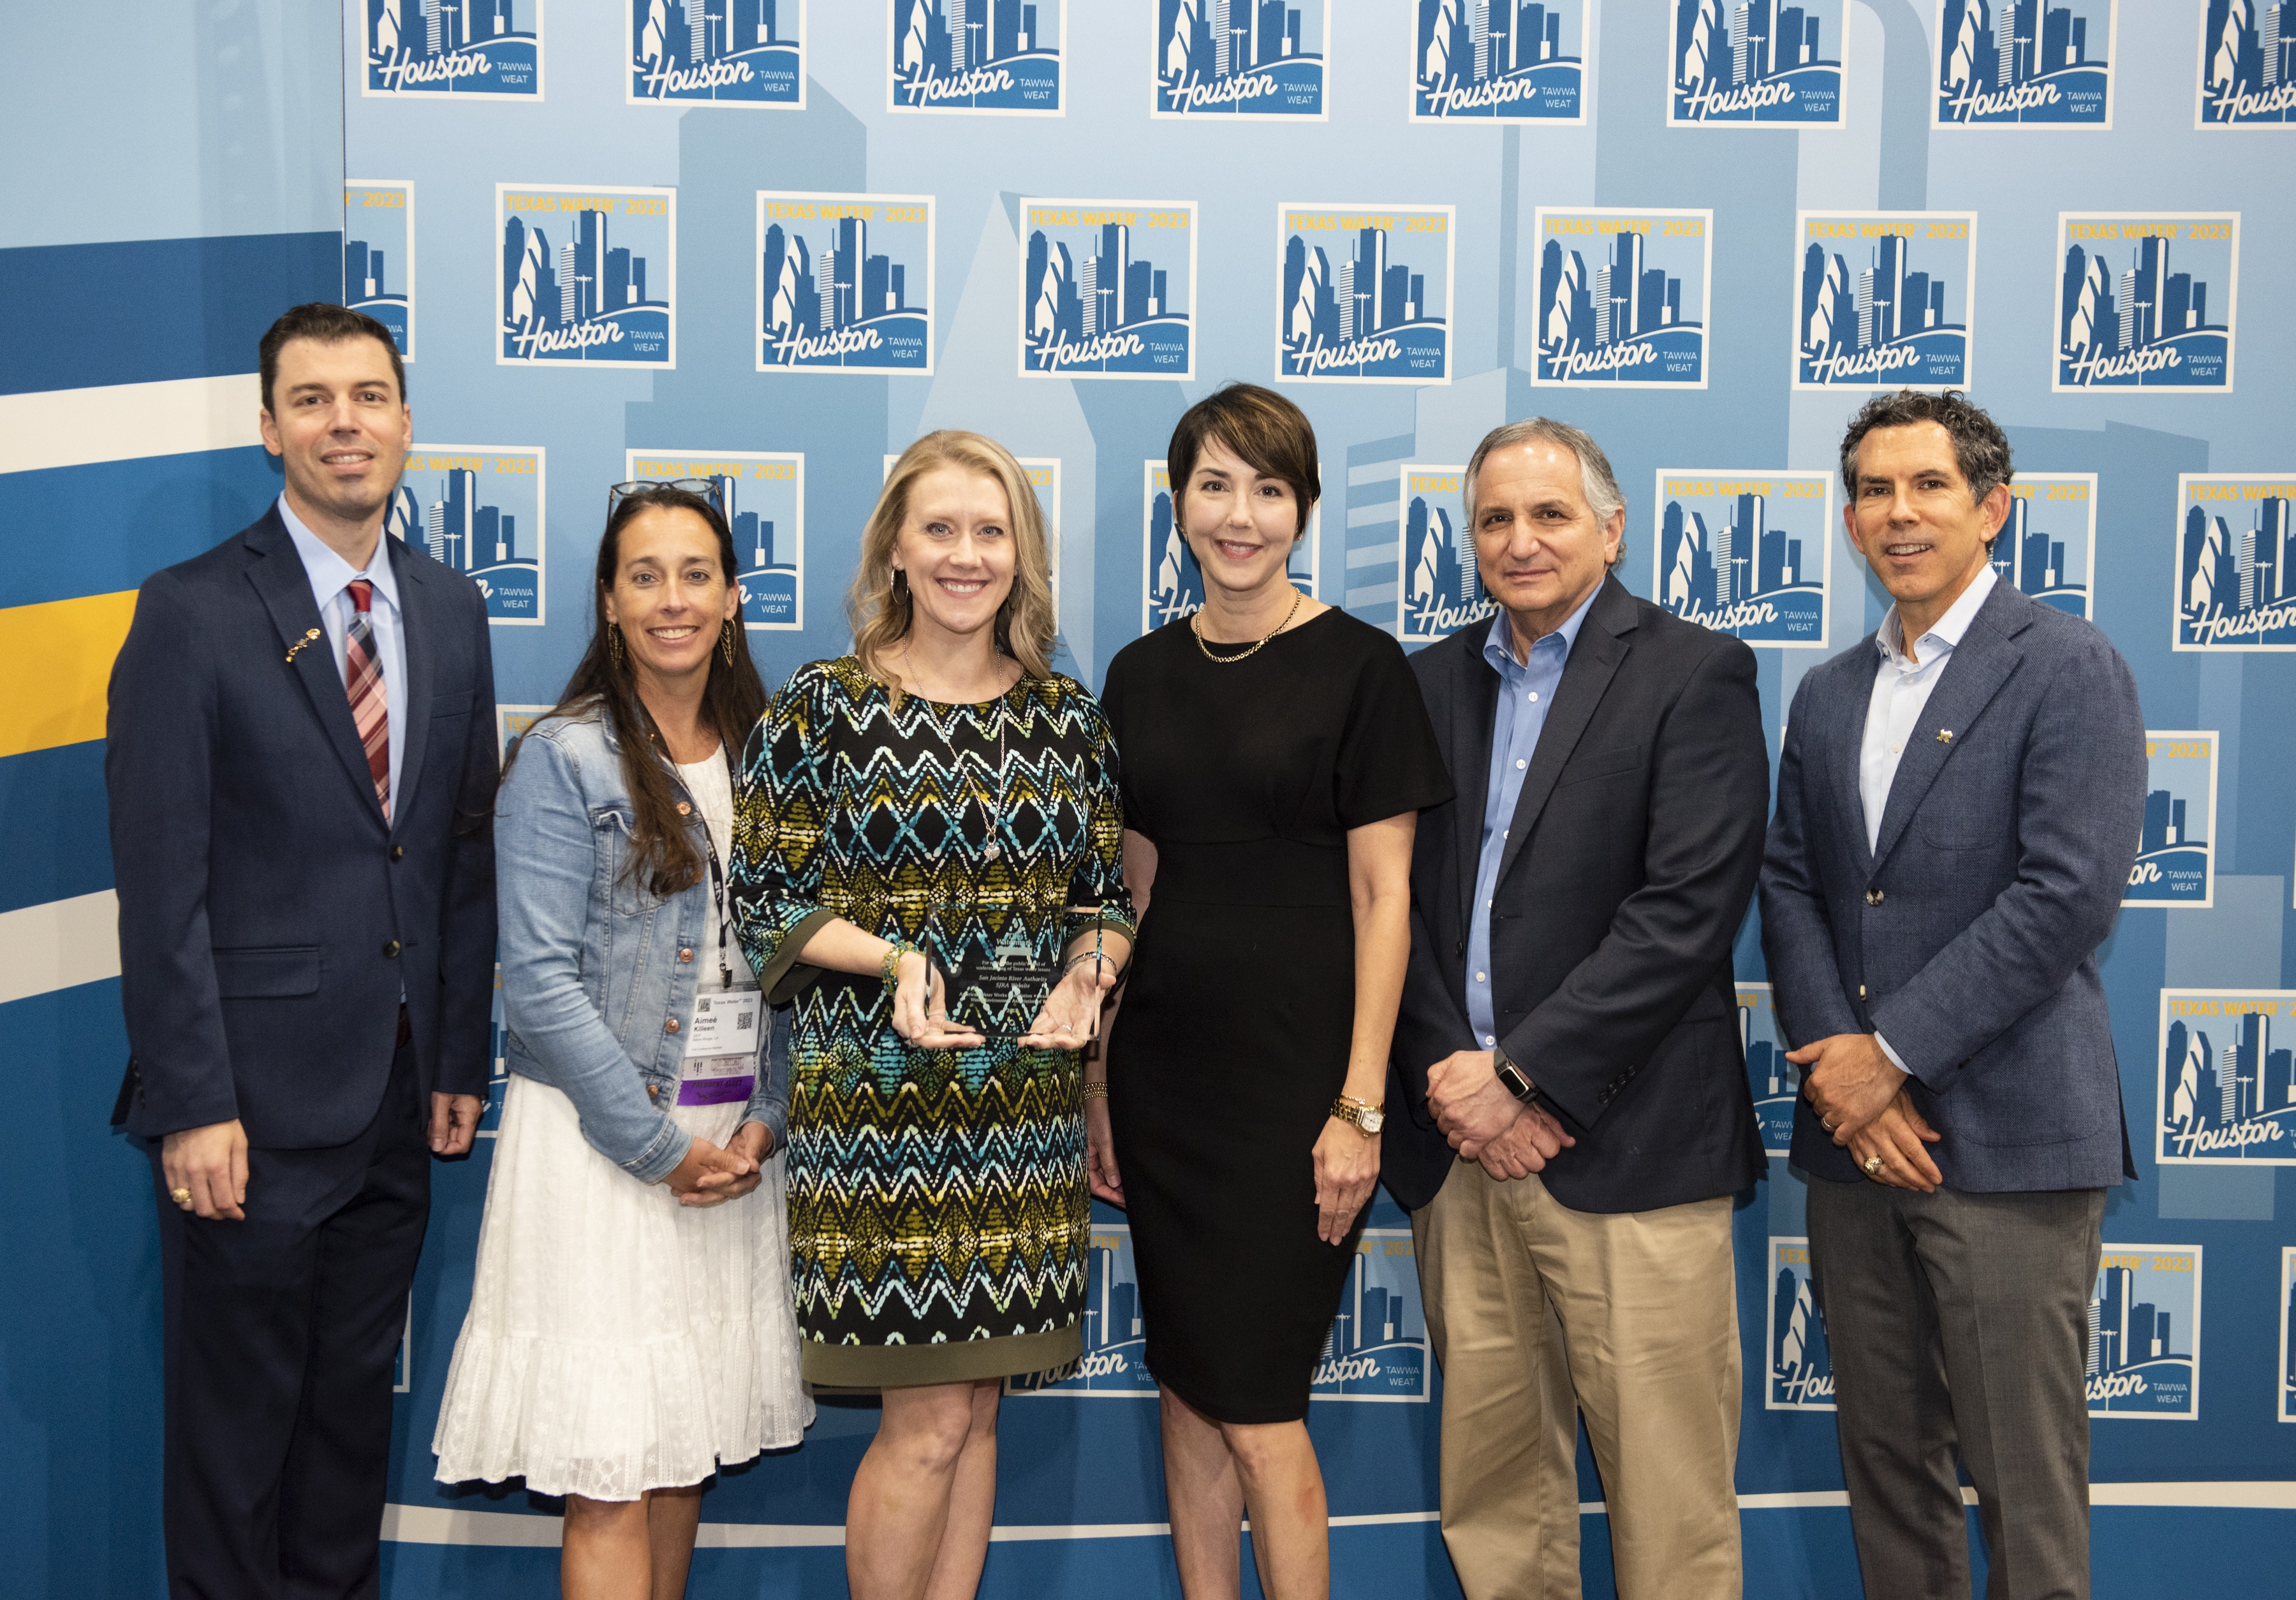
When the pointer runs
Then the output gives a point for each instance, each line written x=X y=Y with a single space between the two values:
x=56 y=660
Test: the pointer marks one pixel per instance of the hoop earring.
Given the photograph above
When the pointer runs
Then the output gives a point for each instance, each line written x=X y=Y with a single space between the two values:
x=726 y=641
x=614 y=642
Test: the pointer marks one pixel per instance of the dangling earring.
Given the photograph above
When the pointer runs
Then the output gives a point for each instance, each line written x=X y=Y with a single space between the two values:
x=900 y=584
x=726 y=642
x=614 y=642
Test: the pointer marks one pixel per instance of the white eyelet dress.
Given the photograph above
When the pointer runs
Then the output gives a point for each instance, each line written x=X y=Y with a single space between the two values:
x=618 y=1342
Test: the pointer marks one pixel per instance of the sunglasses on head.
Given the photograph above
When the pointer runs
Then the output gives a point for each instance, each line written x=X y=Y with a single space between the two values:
x=708 y=488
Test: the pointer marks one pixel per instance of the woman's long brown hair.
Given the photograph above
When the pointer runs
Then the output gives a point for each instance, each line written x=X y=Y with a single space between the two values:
x=663 y=850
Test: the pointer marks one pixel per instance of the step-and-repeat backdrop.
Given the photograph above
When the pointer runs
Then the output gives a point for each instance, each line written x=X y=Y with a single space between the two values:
x=771 y=242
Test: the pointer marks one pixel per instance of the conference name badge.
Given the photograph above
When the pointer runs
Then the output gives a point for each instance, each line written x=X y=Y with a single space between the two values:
x=721 y=1049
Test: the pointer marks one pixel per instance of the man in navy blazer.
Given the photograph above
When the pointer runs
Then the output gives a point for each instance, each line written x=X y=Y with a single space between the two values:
x=301 y=768
x=1568 y=1027
x=1959 y=805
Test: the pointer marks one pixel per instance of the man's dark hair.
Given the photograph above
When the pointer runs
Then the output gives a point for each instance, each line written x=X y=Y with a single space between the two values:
x=329 y=324
x=1979 y=448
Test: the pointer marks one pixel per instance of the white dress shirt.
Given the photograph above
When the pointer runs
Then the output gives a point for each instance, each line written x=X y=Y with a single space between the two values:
x=1902 y=686
x=331 y=579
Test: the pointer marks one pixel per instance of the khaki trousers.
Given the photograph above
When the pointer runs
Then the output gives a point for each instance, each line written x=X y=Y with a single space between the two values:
x=1539 y=1314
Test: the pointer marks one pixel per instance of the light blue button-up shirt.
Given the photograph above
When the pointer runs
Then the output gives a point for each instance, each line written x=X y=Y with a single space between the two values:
x=1525 y=691
x=331 y=579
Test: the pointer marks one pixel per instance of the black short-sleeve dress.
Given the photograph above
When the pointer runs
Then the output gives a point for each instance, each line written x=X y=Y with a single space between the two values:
x=1234 y=1035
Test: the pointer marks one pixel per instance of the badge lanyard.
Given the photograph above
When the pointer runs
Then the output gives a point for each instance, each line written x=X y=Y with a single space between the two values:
x=718 y=886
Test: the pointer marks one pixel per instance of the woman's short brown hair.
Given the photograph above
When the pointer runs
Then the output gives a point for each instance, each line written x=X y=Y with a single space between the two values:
x=1268 y=432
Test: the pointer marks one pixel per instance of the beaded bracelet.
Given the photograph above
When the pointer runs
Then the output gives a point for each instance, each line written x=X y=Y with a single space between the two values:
x=891 y=968
x=1096 y=1090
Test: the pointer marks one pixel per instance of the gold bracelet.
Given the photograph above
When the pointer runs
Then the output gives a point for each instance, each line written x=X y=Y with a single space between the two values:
x=890 y=969
x=1095 y=1088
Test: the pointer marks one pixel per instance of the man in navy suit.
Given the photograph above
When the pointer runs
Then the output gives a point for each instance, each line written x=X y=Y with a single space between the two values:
x=1959 y=806
x=1568 y=1027
x=301 y=768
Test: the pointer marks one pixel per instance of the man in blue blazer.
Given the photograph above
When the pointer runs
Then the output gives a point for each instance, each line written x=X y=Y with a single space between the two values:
x=1959 y=806
x=302 y=769
x=1568 y=1027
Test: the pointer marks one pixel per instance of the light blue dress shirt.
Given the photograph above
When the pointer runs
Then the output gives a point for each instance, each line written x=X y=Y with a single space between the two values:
x=331 y=578
x=1525 y=691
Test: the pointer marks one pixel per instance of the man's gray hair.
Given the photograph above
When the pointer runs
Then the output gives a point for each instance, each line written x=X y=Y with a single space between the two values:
x=1596 y=482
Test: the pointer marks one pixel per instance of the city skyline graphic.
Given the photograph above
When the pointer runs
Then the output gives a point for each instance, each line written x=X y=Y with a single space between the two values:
x=2048 y=544
x=2176 y=859
x=1755 y=61
x=588 y=277
x=1746 y=553
x=1000 y=56
x=845 y=283
x=1800 y=1372
x=1776 y=1081
x=716 y=53
x=1107 y=288
x=2146 y=301
x=1902 y=318
x=2247 y=65
x=762 y=496
x=2044 y=63
x=1375 y=1348
x=1499 y=59
x=1247 y=60
x=1171 y=583
x=2144 y=1332
x=2227 y=1093
x=430 y=48
x=378 y=252
x=1636 y=317
x=1435 y=555
x=2236 y=589
x=479 y=510
x=1378 y=313
x=2287 y=1385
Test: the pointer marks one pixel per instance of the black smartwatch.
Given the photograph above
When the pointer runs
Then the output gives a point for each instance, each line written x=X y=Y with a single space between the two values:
x=1516 y=1081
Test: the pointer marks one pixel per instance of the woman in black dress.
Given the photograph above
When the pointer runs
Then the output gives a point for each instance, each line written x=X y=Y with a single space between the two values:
x=1276 y=754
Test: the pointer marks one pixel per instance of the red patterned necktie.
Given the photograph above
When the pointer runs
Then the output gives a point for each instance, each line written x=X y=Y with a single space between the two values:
x=363 y=676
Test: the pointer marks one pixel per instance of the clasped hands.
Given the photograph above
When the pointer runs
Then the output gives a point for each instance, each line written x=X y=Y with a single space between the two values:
x=1862 y=1098
x=1485 y=1123
x=709 y=1176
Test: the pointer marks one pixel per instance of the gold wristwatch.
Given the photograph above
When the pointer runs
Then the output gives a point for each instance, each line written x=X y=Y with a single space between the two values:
x=1368 y=1119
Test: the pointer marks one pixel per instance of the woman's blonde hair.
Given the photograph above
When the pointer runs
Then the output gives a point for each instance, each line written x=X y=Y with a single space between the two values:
x=881 y=612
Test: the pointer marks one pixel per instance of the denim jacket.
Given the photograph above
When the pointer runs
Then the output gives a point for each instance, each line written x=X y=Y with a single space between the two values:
x=598 y=971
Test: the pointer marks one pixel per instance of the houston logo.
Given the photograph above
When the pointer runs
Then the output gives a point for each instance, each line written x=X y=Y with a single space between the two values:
x=588 y=277
x=1759 y=62
x=2227 y=1096
x=479 y=509
x=1746 y=553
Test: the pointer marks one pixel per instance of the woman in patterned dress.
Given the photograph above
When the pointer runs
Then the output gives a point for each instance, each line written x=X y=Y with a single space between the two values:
x=934 y=802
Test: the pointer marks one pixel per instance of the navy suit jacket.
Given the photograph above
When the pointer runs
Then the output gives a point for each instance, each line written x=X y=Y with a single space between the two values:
x=1968 y=936
x=1629 y=864
x=269 y=918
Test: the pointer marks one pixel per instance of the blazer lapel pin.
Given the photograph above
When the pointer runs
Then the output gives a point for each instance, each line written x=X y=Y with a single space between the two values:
x=1944 y=735
x=309 y=635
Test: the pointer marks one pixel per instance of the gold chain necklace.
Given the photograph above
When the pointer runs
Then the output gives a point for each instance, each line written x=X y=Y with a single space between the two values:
x=1195 y=626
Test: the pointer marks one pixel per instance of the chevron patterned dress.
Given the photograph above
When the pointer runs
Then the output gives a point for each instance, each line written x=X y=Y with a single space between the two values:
x=938 y=1216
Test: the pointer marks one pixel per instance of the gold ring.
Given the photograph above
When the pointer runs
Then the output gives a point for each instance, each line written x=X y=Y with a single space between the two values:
x=181 y=1197
x=1873 y=1165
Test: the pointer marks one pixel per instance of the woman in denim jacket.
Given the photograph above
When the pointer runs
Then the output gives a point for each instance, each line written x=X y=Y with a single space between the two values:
x=631 y=1323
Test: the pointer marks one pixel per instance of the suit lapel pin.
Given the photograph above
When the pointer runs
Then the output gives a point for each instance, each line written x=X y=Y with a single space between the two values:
x=1944 y=735
x=309 y=634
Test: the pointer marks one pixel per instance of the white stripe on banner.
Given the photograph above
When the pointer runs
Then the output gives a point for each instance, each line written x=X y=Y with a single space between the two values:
x=59 y=945
x=126 y=422
x=441 y=1525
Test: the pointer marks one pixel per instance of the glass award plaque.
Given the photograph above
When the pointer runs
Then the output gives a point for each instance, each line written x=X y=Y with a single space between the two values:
x=998 y=990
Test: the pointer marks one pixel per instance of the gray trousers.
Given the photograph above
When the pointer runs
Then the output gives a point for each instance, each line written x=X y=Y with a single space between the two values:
x=1958 y=1326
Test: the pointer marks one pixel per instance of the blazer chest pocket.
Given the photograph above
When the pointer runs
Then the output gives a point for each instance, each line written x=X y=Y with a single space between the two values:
x=1602 y=764
x=266 y=971
x=455 y=704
